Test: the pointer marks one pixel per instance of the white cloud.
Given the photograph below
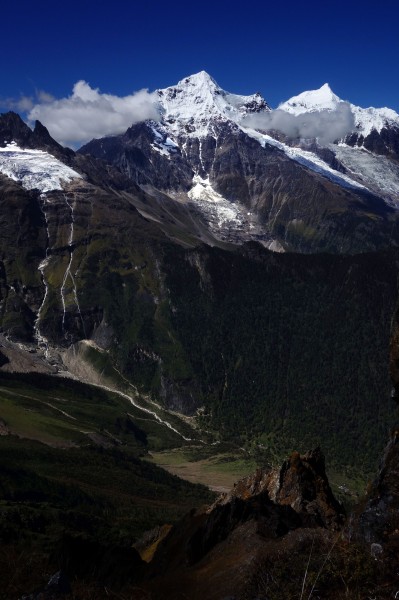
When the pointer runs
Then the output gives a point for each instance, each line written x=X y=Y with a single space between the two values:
x=21 y=104
x=326 y=125
x=43 y=96
x=24 y=104
x=88 y=113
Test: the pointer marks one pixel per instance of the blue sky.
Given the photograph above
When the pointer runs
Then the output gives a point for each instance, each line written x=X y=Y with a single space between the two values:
x=279 y=49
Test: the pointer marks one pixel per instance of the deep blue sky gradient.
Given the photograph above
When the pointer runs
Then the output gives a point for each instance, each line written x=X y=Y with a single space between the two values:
x=279 y=49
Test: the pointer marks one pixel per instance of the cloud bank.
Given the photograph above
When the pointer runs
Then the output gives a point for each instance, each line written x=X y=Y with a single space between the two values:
x=88 y=113
x=326 y=125
x=25 y=103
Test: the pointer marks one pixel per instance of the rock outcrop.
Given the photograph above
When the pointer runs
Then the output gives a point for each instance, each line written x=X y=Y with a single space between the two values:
x=300 y=483
x=270 y=511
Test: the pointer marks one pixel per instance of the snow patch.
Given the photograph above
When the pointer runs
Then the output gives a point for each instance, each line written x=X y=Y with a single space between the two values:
x=222 y=212
x=162 y=143
x=379 y=173
x=35 y=169
x=273 y=246
x=229 y=221
x=307 y=159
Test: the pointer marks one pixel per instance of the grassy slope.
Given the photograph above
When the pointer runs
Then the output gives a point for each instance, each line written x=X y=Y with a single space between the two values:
x=78 y=472
x=63 y=412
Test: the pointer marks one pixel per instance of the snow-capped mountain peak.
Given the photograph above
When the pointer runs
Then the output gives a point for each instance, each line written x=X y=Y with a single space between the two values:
x=201 y=79
x=365 y=119
x=313 y=100
x=194 y=103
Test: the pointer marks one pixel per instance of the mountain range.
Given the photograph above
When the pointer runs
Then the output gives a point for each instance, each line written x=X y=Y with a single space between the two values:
x=225 y=276
x=222 y=157
x=142 y=249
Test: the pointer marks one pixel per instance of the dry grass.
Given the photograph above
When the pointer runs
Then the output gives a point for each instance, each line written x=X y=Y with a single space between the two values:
x=218 y=472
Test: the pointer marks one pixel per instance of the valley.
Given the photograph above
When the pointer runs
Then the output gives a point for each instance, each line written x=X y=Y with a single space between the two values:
x=198 y=338
x=218 y=471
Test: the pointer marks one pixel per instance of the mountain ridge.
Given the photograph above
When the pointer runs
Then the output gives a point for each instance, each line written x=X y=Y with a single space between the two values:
x=148 y=277
x=324 y=98
x=207 y=204
x=219 y=155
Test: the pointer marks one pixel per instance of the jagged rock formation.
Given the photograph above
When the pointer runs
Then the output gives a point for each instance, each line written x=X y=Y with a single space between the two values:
x=300 y=483
x=227 y=540
x=13 y=129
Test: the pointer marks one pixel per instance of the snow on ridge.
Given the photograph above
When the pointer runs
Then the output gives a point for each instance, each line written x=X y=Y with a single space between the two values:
x=189 y=106
x=193 y=106
x=366 y=119
x=35 y=169
x=378 y=173
x=307 y=159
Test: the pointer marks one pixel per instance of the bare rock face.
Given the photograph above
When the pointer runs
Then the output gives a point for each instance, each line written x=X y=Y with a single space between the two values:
x=301 y=483
x=304 y=486
x=384 y=142
x=139 y=154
